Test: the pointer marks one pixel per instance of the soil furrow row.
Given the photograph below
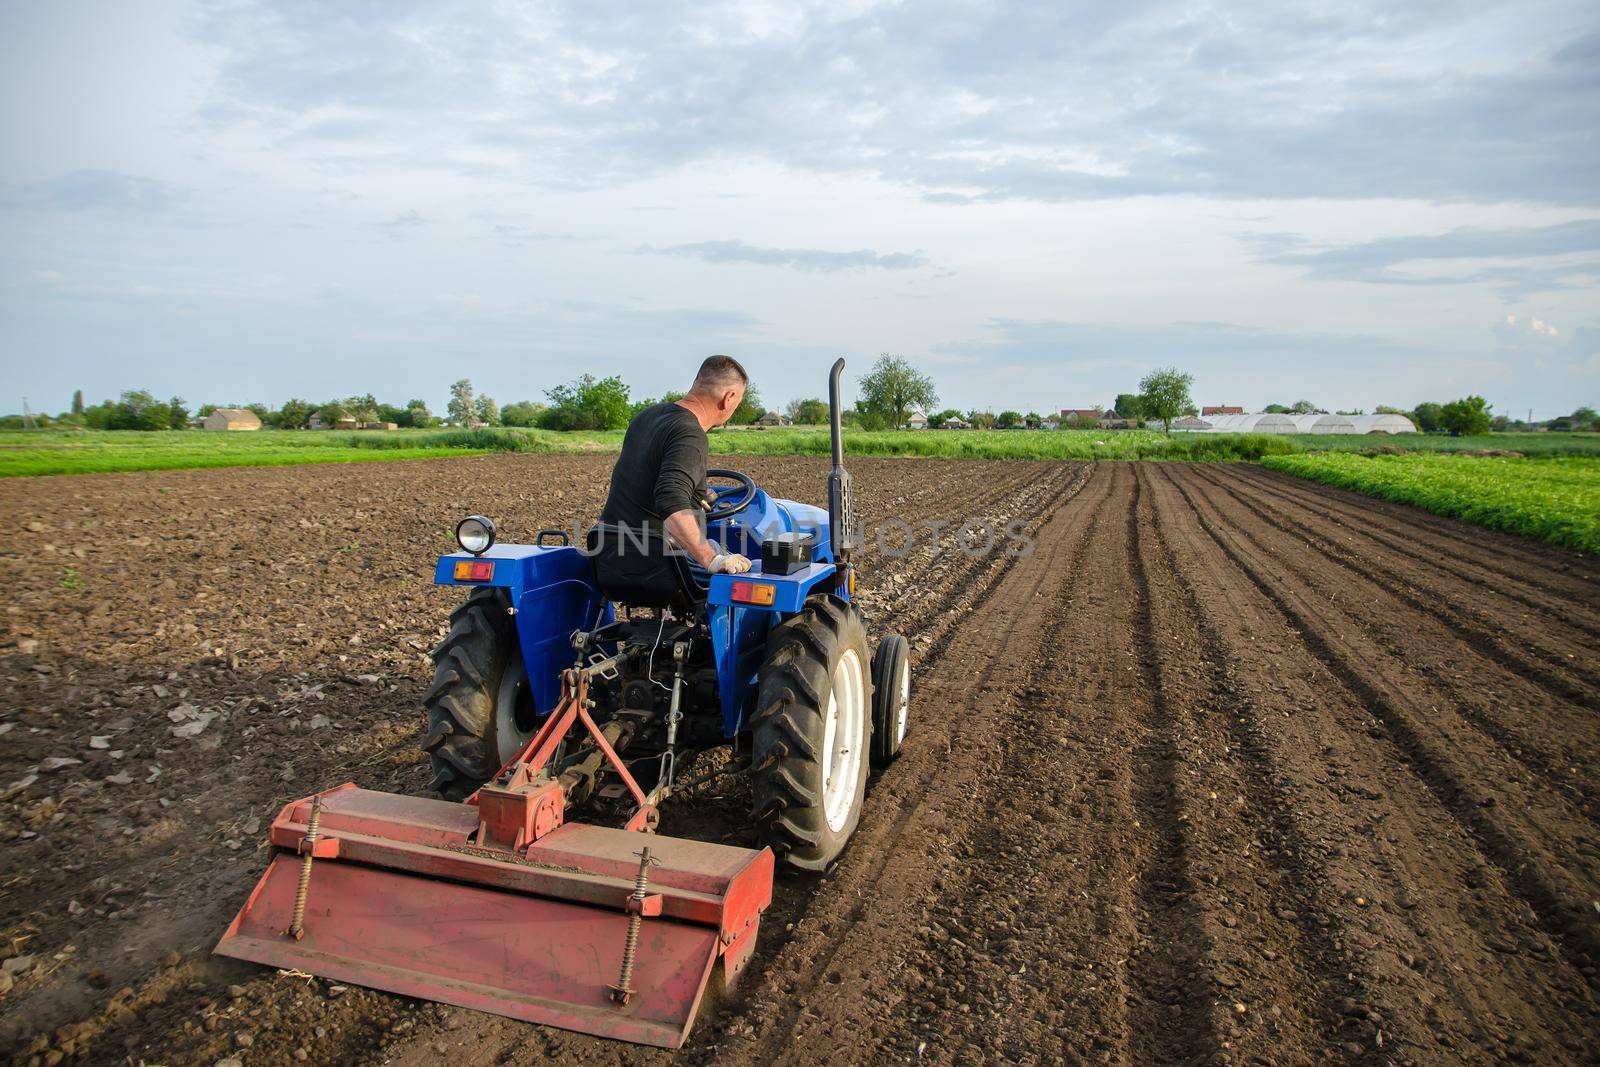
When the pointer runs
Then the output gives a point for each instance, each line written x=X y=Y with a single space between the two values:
x=1521 y=854
x=1481 y=557
x=1561 y=673
x=1272 y=872
x=1172 y=968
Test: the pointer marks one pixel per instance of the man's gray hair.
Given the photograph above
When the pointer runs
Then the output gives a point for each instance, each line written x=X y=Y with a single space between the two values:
x=718 y=374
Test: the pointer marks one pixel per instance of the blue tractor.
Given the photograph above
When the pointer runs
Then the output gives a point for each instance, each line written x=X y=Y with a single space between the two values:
x=568 y=682
x=776 y=663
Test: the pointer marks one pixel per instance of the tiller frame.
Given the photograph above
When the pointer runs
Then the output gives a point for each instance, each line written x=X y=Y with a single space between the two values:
x=499 y=904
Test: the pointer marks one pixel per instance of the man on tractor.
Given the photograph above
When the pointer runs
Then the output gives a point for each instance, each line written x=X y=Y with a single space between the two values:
x=653 y=516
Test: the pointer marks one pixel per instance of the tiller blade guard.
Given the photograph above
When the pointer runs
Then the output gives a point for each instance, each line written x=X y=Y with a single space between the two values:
x=498 y=905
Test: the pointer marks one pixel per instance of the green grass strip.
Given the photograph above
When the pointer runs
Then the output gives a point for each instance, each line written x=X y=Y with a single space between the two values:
x=1555 y=499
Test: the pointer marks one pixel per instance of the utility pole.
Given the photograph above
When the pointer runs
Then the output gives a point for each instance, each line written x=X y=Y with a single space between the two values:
x=27 y=416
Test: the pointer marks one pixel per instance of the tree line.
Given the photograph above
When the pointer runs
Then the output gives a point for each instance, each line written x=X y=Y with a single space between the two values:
x=888 y=395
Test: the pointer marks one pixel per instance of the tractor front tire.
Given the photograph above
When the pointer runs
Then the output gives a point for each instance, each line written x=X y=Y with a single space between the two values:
x=479 y=706
x=812 y=734
x=891 y=698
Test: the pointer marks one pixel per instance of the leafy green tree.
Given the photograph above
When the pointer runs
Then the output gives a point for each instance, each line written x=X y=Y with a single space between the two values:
x=462 y=409
x=77 y=401
x=893 y=389
x=204 y=410
x=1127 y=406
x=417 y=415
x=1276 y=409
x=331 y=412
x=138 y=410
x=1008 y=420
x=937 y=421
x=1428 y=416
x=1303 y=407
x=177 y=414
x=1585 y=419
x=983 y=420
x=1033 y=420
x=363 y=408
x=522 y=413
x=1468 y=415
x=750 y=408
x=807 y=412
x=588 y=403
x=488 y=411
x=1164 y=395
x=294 y=415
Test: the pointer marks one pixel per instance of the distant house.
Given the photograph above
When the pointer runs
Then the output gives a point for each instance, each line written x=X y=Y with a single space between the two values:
x=343 y=421
x=1080 y=413
x=1050 y=424
x=1112 y=421
x=232 y=419
x=956 y=423
x=774 y=418
x=917 y=421
x=378 y=426
x=1189 y=422
x=1219 y=409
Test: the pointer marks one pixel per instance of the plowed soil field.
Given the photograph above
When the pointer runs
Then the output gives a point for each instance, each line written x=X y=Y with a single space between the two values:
x=1230 y=768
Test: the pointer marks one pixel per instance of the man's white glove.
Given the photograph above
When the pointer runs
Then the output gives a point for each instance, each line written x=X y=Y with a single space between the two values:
x=730 y=563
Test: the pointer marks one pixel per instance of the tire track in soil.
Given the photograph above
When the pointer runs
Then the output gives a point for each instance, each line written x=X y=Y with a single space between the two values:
x=1520 y=853
x=1579 y=685
x=1257 y=852
x=1476 y=555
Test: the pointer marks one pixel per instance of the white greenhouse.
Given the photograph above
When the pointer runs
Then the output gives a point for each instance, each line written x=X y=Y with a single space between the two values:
x=1383 y=424
x=1323 y=423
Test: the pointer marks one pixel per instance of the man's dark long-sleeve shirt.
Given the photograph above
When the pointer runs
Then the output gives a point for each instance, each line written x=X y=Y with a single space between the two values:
x=662 y=468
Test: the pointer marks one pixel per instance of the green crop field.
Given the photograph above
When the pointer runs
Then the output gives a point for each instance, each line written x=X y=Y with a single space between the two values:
x=1555 y=498
x=94 y=452
x=1529 y=444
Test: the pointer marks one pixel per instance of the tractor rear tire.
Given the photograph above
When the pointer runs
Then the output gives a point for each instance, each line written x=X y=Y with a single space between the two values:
x=812 y=734
x=891 y=698
x=479 y=707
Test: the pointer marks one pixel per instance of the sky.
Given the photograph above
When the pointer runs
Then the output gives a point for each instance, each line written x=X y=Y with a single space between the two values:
x=1036 y=203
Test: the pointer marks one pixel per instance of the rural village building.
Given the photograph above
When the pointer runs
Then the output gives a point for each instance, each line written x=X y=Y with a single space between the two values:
x=774 y=418
x=1219 y=409
x=343 y=421
x=1189 y=422
x=232 y=419
x=917 y=421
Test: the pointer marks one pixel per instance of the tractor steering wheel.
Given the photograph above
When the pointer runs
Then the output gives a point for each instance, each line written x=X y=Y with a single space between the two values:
x=728 y=500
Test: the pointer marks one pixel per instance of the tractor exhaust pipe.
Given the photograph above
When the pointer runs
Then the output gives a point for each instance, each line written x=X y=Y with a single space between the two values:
x=840 y=526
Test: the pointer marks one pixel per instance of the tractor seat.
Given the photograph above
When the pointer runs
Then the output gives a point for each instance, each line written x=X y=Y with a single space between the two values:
x=638 y=567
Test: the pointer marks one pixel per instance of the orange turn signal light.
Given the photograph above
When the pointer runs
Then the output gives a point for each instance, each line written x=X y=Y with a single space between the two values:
x=474 y=570
x=754 y=593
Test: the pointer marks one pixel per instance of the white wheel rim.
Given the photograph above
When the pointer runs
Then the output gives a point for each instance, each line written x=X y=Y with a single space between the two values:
x=902 y=706
x=844 y=728
x=508 y=737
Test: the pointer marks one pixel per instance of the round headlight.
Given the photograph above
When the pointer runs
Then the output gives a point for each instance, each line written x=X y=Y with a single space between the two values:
x=475 y=534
